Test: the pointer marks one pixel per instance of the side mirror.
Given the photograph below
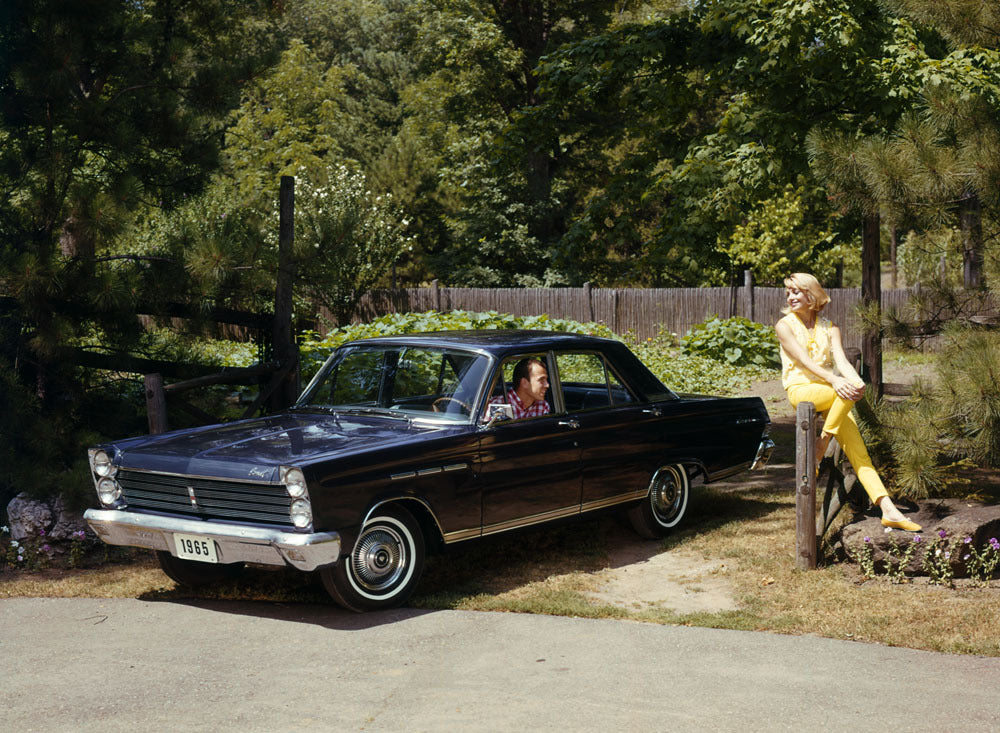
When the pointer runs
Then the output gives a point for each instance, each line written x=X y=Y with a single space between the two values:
x=498 y=413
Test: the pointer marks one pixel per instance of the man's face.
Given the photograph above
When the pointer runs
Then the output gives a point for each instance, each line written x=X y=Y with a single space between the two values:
x=537 y=382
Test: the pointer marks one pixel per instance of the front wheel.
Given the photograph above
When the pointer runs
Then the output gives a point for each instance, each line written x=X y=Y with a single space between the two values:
x=196 y=574
x=664 y=506
x=383 y=568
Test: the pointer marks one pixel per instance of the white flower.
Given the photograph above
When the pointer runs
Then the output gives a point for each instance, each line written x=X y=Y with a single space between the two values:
x=15 y=543
x=4 y=529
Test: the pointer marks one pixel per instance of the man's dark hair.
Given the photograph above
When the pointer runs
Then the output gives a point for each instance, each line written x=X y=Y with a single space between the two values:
x=522 y=370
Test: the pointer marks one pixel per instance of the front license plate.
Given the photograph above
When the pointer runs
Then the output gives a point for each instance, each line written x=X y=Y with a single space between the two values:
x=195 y=547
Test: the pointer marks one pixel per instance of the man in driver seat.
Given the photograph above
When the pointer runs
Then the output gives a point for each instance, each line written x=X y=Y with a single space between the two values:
x=527 y=396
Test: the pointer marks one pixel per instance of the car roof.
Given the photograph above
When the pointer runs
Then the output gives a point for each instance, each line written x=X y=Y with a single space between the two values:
x=494 y=341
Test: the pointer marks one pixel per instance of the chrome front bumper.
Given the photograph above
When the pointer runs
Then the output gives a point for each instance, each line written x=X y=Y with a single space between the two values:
x=233 y=543
x=763 y=453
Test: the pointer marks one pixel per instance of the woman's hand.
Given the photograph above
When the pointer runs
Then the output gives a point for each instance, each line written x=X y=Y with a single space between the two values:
x=846 y=389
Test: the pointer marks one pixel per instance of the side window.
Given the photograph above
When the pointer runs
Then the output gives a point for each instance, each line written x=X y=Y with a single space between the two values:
x=522 y=382
x=588 y=384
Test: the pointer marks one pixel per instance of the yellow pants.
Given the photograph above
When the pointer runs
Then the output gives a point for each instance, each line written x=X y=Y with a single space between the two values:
x=841 y=423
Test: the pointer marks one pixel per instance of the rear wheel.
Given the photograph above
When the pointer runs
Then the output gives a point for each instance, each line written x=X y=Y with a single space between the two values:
x=383 y=568
x=195 y=574
x=664 y=506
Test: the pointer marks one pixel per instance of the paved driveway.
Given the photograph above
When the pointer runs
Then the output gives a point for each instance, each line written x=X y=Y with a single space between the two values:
x=128 y=665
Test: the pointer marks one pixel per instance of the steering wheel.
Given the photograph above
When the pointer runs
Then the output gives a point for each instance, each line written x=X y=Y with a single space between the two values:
x=440 y=400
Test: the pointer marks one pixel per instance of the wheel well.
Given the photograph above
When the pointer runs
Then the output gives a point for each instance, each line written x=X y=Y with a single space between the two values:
x=433 y=540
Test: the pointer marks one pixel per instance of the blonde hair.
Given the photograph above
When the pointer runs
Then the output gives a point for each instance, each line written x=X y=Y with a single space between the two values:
x=809 y=285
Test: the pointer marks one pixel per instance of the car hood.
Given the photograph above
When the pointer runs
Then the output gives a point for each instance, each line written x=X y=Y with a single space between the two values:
x=254 y=449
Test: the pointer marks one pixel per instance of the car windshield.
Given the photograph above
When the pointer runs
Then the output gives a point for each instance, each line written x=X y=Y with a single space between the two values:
x=410 y=381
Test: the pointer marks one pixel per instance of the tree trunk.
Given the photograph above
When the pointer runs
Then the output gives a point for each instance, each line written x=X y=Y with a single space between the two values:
x=871 y=294
x=971 y=222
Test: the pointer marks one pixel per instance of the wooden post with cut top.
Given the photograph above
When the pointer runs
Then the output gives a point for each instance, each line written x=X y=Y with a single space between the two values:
x=156 y=404
x=805 y=489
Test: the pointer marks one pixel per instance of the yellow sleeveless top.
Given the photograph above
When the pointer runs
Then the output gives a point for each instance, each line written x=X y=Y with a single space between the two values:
x=817 y=343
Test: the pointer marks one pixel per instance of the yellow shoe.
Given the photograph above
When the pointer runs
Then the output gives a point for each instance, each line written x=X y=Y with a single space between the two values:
x=901 y=524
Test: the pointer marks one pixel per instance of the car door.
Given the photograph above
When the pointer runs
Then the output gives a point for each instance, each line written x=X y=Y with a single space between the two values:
x=530 y=468
x=619 y=438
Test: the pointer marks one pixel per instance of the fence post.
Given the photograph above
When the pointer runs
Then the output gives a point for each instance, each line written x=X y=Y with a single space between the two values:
x=805 y=491
x=156 y=404
x=590 y=301
x=437 y=294
x=748 y=308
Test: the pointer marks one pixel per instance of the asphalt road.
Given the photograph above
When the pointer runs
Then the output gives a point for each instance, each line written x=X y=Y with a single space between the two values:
x=128 y=665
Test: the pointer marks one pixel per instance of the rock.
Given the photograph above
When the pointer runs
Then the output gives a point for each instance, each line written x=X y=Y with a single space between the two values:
x=49 y=518
x=957 y=518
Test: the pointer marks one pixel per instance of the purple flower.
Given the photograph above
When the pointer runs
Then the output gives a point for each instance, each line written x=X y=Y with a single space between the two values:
x=994 y=544
x=46 y=548
x=942 y=534
x=868 y=539
x=965 y=557
x=967 y=540
x=41 y=533
x=916 y=538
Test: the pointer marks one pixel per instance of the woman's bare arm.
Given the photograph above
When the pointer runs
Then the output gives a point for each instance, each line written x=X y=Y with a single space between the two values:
x=840 y=358
x=841 y=385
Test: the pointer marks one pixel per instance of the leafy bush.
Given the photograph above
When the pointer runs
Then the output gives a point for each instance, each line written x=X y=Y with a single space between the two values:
x=697 y=374
x=735 y=341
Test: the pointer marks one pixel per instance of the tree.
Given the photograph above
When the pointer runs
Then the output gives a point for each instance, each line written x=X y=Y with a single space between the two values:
x=720 y=98
x=107 y=109
x=479 y=62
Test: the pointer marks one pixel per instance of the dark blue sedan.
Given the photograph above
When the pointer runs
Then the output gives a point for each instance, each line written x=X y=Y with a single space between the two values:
x=403 y=445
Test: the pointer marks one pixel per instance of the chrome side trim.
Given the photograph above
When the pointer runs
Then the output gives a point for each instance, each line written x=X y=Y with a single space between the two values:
x=427 y=471
x=463 y=534
x=528 y=521
x=612 y=500
x=234 y=543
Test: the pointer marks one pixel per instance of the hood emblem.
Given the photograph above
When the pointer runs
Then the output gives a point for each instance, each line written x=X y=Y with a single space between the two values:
x=259 y=473
x=194 y=502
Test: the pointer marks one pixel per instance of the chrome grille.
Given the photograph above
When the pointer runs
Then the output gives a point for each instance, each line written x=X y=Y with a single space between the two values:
x=215 y=499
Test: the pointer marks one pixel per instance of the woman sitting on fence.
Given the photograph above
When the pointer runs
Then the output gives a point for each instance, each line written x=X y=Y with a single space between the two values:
x=814 y=369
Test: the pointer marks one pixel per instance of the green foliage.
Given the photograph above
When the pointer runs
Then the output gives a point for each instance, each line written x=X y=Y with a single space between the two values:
x=955 y=423
x=780 y=236
x=347 y=237
x=736 y=341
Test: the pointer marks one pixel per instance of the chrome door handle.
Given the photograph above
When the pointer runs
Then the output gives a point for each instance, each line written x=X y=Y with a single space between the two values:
x=571 y=423
x=654 y=411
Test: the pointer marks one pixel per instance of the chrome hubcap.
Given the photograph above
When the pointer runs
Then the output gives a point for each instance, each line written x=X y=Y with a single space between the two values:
x=666 y=497
x=379 y=559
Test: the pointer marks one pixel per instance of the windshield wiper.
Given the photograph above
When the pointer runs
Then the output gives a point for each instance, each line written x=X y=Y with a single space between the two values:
x=380 y=411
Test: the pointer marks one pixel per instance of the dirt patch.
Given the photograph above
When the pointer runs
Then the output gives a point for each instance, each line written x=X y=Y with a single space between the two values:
x=671 y=580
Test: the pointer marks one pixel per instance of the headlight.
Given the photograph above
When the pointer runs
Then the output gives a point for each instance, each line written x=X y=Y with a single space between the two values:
x=100 y=461
x=294 y=481
x=108 y=491
x=301 y=513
